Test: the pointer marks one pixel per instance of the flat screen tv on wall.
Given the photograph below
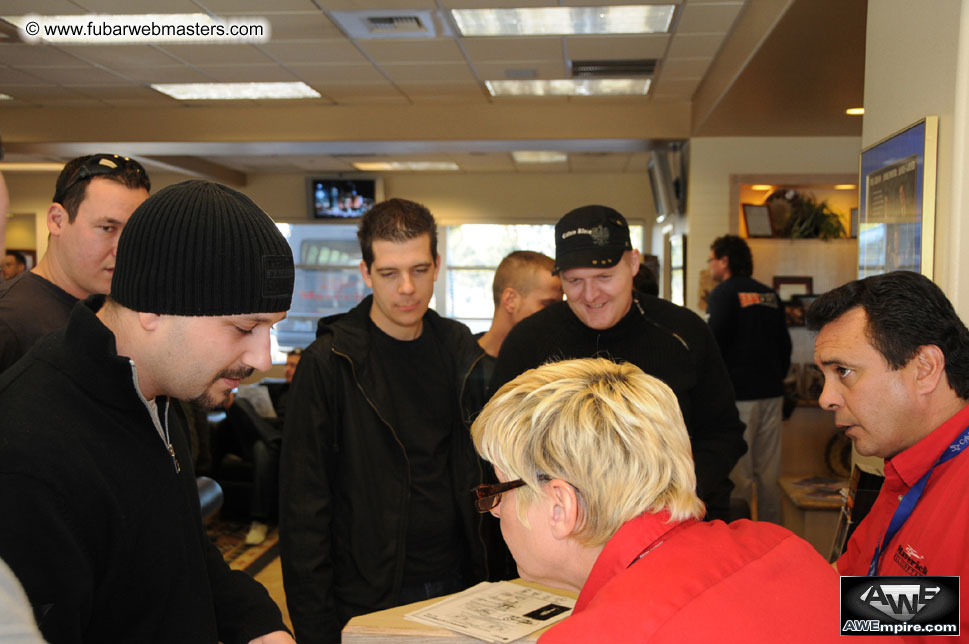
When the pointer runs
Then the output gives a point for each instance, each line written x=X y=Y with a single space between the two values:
x=341 y=199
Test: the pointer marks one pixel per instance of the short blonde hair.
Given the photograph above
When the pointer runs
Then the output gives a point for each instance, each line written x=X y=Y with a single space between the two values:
x=613 y=432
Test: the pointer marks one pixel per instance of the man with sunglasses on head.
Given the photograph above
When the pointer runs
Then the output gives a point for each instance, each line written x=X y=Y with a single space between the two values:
x=93 y=199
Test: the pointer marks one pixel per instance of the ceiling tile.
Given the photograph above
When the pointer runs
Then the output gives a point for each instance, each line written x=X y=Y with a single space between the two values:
x=500 y=4
x=707 y=18
x=124 y=56
x=314 y=73
x=300 y=26
x=135 y=6
x=360 y=99
x=501 y=49
x=428 y=72
x=500 y=71
x=79 y=76
x=10 y=76
x=370 y=5
x=695 y=46
x=34 y=94
x=347 y=90
x=168 y=74
x=216 y=54
x=247 y=73
x=449 y=99
x=684 y=67
x=613 y=47
x=605 y=162
x=42 y=7
x=442 y=89
x=436 y=50
x=19 y=55
x=681 y=88
x=236 y=7
x=487 y=162
x=328 y=50
x=541 y=168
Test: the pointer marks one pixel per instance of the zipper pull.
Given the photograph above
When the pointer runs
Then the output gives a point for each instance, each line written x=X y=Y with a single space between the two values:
x=171 y=450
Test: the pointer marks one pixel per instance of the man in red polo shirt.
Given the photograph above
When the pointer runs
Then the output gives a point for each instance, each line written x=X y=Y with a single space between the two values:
x=895 y=358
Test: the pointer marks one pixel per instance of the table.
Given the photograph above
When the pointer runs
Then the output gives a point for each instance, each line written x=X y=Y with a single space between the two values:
x=814 y=519
x=390 y=625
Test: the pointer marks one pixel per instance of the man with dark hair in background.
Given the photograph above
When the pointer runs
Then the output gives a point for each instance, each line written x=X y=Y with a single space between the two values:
x=93 y=199
x=14 y=263
x=524 y=283
x=747 y=320
x=377 y=460
x=604 y=317
x=895 y=357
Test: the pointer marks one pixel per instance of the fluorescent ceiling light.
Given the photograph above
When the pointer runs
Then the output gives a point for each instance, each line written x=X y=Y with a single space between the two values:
x=31 y=167
x=561 y=21
x=4 y=97
x=761 y=187
x=235 y=91
x=845 y=186
x=140 y=28
x=413 y=166
x=570 y=87
x=855 y=111
x=539 y=156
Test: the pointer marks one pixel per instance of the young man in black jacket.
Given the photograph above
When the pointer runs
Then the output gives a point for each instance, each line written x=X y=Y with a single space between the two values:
x=747 y=320
x=101 y=510
x=604 y=317
x=377 y=461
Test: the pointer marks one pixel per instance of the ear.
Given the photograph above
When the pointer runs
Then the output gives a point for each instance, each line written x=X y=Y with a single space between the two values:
x=636 y=259
x=437 y=266
x=509 y=300
x=365 y=273
x=149 y=321
x=564 y=513
x=57 y=218
x=929 y=364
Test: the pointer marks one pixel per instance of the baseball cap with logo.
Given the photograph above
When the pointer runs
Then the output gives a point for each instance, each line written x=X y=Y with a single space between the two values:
x=590 y=237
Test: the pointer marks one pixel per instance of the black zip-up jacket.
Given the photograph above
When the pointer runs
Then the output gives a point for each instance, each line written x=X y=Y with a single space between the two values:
x=345 y=481
x=103 y=531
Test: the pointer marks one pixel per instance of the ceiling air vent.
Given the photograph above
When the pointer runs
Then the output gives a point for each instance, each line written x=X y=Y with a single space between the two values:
x=376 y=24
x=623 y=68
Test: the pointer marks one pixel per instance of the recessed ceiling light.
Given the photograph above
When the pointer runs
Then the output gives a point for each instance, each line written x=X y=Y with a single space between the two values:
x=4 y=97
x=142 y=28
x=570 y=87
x=412 y=166
x=845 y=186
x=235 y=91
x=561 y=21
x=31 y=167
x=761 y=187
x=539 y=156
x=855 y=111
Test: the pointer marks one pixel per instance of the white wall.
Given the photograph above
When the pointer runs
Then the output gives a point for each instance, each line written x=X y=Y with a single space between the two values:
x=913 y=67
x=712 y=162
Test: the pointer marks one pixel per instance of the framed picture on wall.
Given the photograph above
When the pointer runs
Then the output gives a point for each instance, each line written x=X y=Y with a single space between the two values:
x=896 y=228
x=758 y=221
x=788 y=286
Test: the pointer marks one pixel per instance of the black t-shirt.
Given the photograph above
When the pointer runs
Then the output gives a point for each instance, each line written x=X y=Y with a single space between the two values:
x=30 y=308
x=424 y=415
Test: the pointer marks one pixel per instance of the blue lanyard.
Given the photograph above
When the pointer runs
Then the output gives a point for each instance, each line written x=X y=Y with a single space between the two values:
x=907 y=504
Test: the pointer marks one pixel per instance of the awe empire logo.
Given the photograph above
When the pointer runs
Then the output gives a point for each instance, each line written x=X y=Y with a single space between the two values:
x=899 y=605
x=900 y=601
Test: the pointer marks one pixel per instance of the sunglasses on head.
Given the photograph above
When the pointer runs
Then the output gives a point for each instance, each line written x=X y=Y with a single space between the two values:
x=97 y=166
x=488 y=496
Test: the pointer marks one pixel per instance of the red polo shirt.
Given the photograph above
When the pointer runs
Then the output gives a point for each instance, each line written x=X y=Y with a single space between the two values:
x=935 y=538
x=704 y=582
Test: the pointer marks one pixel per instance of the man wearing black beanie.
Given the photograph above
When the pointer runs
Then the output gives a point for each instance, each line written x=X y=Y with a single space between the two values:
x=101 y=512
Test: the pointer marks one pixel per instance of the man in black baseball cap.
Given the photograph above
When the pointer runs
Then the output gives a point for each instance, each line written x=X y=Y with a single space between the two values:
x=604 y=316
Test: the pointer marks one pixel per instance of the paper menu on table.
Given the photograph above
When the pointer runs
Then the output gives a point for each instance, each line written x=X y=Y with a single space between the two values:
x=496 y=612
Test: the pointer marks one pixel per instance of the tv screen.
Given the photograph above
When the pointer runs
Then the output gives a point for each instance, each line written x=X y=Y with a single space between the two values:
x=341 y=198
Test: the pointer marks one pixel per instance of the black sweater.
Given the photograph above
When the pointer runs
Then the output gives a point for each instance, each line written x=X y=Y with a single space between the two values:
x=664 y=340
x=102 y=531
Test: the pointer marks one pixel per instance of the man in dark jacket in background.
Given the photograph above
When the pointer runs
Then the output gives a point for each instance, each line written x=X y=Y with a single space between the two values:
x=747 y=320
x=377 y=461
x=604 y=317
x=97 y=491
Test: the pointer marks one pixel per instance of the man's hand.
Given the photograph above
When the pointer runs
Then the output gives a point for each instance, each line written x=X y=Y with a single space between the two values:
x=276 y=637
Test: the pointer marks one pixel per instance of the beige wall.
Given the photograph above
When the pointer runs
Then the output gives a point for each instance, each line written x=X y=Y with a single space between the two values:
x=912 y=71
x=714 y=160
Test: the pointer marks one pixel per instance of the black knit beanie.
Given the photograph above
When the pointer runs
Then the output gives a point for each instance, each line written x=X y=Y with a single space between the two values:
x=198 y=248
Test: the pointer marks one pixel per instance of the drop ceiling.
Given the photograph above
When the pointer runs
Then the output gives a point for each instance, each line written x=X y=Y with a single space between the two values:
x=727 y=68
